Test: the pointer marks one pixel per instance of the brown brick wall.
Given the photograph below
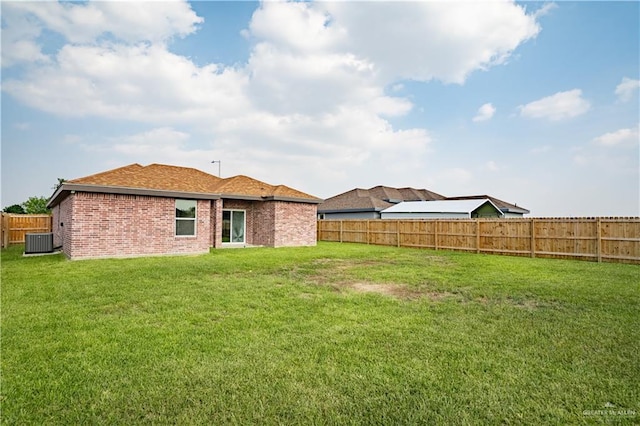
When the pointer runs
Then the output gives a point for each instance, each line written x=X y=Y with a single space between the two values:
x=111 y=225
x=295 y=224
x=62 y=224
x=216 y=223
x=90 y=225
x=264 y=218
x=277 y=223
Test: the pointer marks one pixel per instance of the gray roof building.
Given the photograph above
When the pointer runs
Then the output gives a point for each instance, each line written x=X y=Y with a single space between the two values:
x=442 y=209
x=369 y=203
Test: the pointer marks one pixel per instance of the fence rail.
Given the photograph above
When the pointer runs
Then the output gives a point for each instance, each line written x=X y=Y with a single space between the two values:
x=16 y=226
x=600 y=239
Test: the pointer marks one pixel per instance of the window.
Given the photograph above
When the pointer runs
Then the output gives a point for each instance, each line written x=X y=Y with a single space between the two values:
x=233 y=225
x=185 y=217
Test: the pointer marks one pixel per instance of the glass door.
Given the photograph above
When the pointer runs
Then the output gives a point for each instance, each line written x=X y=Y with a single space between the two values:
x=233 y=226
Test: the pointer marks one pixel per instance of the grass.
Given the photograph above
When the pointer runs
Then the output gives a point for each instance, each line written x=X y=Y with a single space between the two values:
x=335 y=334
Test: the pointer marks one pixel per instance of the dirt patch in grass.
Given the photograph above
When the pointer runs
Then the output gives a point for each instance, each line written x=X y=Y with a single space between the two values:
x=393 y=290
x=333 y=272
x=401 y=291
x=397 y=291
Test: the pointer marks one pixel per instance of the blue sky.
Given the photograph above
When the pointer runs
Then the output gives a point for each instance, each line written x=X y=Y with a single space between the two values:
x=535 y=103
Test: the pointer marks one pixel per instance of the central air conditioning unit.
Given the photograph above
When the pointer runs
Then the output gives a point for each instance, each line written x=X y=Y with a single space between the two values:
x=38 y=243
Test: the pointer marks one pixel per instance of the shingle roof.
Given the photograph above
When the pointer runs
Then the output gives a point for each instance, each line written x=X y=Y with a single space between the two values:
x=374 y=199
x=174 y=179
x=354 y=200
x=154 y=176
x=244 y=185
x=386 y=193
x=412 y=194
x=381 y=197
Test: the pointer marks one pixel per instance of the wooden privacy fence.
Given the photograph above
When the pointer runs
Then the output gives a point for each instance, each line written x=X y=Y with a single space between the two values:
x=600 y=239
x=15 y=226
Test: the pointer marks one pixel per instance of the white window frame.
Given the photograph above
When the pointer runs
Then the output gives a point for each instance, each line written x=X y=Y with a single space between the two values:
x=194 y=219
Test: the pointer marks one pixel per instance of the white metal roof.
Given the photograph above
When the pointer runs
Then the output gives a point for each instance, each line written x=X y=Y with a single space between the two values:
x=439 y=206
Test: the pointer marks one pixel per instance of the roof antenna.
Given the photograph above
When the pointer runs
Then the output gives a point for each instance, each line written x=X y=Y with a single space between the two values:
x=219 y=164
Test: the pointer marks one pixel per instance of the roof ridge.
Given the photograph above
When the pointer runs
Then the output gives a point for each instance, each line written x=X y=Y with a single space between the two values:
x=133 y=165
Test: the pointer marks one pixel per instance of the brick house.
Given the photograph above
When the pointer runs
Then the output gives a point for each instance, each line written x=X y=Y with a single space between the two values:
x=159 y=209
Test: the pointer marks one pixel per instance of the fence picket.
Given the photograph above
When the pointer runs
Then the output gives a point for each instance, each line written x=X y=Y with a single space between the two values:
x=16 y=226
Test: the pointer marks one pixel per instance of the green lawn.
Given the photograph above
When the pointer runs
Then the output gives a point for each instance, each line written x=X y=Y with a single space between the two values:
x=334 y=334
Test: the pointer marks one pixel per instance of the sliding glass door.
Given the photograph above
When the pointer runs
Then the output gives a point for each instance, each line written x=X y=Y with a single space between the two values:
x=233 y=226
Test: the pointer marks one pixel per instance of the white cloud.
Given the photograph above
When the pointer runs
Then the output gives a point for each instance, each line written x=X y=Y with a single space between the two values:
x=286 y=82
x=491 y=166
x=21 y=51
x=312 y=99
x=627 y=88
x=431 y=40
x=622 y=137
x=545 y=9
x=297 y=27
x=122 y=81
x=157 y=145
x=560 y=106
x=485 y=112
x=126 y=21
x=19 y=32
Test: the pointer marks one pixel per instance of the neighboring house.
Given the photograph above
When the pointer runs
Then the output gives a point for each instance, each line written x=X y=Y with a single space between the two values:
x=159 y=209
x=368 y=203
x=442 y=209
x=507 y=209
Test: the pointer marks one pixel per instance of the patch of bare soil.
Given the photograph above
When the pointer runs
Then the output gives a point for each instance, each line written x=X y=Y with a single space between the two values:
x=393 y=290
x=399 y=291
x=333 y=270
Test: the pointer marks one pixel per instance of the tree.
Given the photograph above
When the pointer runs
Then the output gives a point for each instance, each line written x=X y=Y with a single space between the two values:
x=15 y=209
x=59 y=184
x=36 y=205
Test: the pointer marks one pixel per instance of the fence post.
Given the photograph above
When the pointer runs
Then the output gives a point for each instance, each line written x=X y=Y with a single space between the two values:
x=477 y=235
x=340 y=231
x=435 y=237
x=398 y=233
x=5 y=230
x=533 y=237
x=599 y=239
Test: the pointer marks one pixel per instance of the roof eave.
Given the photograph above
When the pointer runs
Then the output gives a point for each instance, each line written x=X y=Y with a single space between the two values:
x=293 y=199
x=518 y=211
x=241 y=197
x=58 y=195
x=66 y=188
x=368 y=209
